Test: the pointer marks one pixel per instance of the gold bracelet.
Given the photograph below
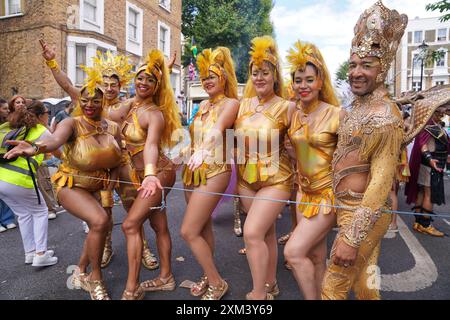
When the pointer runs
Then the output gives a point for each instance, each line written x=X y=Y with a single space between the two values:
x=106 y=198
x=52 y=64
x=150 y=170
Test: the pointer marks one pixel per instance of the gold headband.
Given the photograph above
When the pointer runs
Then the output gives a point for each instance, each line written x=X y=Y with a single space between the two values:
x=109 y=65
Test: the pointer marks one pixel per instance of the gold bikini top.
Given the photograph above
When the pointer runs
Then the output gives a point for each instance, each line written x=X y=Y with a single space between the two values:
x=314 y=138
x=87 y=152
x=133 y=133
x=262 y=126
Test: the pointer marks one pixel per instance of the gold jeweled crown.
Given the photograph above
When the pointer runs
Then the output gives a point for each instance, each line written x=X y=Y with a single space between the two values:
x=378 y=33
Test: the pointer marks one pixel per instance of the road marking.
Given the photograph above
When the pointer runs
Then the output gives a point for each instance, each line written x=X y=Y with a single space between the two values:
x=421 y=276
x=446 y=221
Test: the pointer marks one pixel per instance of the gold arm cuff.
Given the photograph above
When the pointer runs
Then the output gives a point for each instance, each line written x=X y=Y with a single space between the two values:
x=150 y=170
x=106 y=198
x=52 y=64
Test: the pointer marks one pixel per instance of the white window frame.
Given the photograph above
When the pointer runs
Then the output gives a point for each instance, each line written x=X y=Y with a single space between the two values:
x=416 y=85
x=9 y=15
x=77 y=66
x=414 y=36
x=165 y=7
x=97 y=26
x=91 y=51
x=168 y=38
x=134 y=46
x=446 y=35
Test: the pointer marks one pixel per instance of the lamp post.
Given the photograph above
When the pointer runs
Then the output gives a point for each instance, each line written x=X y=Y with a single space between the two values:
x=423 y=53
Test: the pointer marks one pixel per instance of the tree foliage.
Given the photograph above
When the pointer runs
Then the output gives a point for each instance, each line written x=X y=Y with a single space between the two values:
x=342 y=72
x=441 y=6
x=229 y=23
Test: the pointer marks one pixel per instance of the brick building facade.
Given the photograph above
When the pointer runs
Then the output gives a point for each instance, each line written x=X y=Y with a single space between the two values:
x=77 y=29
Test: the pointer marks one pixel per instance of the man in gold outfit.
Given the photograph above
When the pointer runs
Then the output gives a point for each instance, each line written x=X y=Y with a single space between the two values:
x=367 y=154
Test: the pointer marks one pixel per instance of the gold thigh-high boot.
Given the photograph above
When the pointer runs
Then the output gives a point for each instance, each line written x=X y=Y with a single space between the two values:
x=361 y=277
x=237 y=219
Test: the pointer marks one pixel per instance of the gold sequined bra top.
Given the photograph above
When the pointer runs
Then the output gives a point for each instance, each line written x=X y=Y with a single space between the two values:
x=314 y=138
x=93 y=149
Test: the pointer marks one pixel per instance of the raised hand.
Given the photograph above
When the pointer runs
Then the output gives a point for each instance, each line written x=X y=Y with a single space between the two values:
x=47 y=52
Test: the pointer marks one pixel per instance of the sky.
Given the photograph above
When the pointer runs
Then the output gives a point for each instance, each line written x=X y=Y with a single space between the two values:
x=329 y=23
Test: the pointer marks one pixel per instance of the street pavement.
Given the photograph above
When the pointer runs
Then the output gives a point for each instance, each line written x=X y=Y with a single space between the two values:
x=413 y=266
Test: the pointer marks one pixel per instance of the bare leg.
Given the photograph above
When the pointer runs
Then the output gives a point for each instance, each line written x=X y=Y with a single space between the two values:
x=83 y=205
x=306 y=251
x=158 y=222
x=197 y=224
x=258 y=232
x=132 y=228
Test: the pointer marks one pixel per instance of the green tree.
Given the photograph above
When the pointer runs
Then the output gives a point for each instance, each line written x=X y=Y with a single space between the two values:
x=229 y=23
x=442 y=6
x=342 y=72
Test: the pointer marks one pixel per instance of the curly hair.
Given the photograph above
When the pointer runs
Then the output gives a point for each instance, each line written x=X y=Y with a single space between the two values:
x=26 y=116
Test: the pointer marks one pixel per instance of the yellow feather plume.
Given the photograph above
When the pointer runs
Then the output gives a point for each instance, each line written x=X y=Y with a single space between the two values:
x=109 y=65
x=299 y=56
x=204 y=61
x=263 y=49
x=94 y=79
x=155 y=58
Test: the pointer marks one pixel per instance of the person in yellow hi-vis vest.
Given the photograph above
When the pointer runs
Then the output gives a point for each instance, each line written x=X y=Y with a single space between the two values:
x=18 y=191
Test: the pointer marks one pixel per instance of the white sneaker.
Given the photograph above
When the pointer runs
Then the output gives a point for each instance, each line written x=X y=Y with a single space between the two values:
x=29 y=256
x=11 y=226
x=2 y=229
x=44 y=260
x=51 y=215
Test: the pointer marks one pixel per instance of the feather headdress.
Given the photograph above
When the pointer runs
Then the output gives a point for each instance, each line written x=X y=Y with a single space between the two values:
x=109 y=65
x=301 y=54
x=221 y=63
x=263 y=49
x=153 y=65
x=93 y=80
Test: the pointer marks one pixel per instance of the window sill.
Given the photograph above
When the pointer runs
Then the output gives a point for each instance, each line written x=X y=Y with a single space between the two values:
x=165 y=8
x=133 y=41
x=12 y=16
x=91 y=22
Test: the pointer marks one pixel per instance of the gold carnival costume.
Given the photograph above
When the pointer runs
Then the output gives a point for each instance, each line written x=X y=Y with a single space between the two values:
x=88 y=159
x=134 y=135
x=313 y=135
x=220 y=63
x=269 y=166
x=370 y=139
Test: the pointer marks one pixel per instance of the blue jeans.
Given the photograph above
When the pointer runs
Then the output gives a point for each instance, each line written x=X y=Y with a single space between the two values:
x=6 y=214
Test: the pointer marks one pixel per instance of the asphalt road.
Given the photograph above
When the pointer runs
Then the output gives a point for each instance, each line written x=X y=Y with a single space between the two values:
x=413 y=266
